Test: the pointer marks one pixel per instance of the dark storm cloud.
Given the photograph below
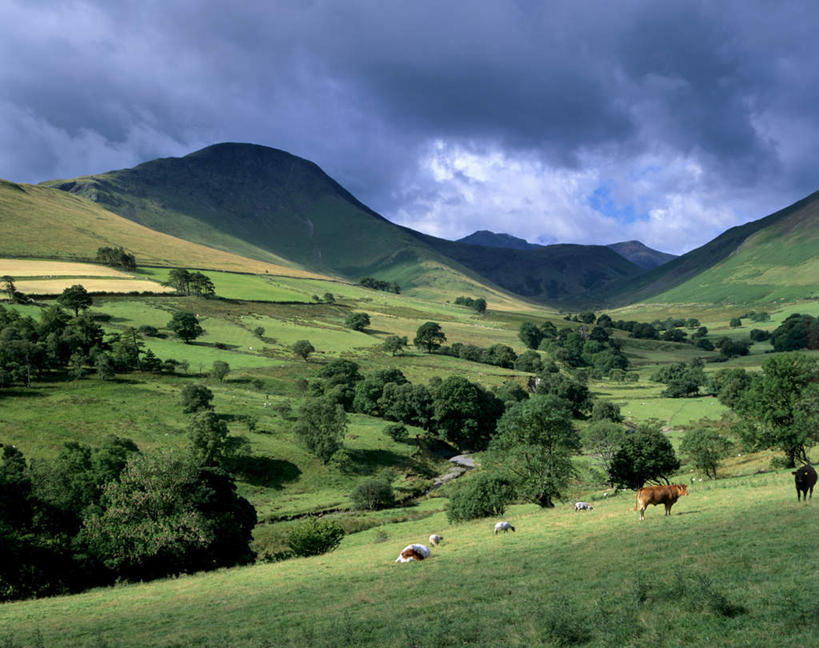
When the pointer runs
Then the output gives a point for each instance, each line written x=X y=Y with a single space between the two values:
x=450 y=116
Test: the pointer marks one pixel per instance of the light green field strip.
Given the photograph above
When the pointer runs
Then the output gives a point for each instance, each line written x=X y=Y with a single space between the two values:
x=325 y=338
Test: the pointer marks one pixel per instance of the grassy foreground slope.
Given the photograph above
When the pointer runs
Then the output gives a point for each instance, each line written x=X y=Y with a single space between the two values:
x=38 y=221
x=770 y=258
x=734 y=566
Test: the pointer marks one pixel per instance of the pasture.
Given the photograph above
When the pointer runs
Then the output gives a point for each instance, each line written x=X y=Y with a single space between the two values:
x=735 y=565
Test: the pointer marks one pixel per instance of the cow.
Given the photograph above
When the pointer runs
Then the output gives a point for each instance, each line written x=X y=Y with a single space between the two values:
x=805 y=478
x=435 y=540
x=413 y=552
x=583 y=506
x=654 y=495
x=503 y=526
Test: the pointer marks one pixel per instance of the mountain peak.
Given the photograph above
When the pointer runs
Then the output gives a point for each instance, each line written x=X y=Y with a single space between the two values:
x=497 y=240
x=640 y=254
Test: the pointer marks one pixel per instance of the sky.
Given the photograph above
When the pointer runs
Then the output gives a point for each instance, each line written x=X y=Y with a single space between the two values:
x=559 y=122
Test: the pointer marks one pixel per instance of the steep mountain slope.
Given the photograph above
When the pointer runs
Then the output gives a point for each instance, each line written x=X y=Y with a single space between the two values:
x=492 y=239
x=38 y=221
x=770 y=258
x=640 y=254
x=567 y=275
x=243 y=197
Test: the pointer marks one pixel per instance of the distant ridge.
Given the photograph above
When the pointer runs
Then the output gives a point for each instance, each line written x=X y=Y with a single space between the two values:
x=492 y=239
x=640 y=254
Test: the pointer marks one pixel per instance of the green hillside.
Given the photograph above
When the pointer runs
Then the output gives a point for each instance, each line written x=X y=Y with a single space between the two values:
x=770 y=258
x=42 y=222
x=245 y=198
x=777 y=263
x=711 y=574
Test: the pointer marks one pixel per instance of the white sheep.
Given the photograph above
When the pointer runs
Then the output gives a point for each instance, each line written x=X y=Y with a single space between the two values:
x=413 y=552
x=435 y=540
x=503 y=526
x=583 y=506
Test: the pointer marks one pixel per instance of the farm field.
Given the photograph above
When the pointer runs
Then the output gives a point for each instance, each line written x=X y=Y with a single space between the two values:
x=719 y=571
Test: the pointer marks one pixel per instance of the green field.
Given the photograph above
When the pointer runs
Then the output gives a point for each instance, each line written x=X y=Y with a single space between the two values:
x=719 y=572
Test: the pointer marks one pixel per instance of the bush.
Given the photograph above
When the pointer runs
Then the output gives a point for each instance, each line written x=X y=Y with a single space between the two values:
x=314 y=537
x=397 y=432
x=373 y=495
x=485 y=495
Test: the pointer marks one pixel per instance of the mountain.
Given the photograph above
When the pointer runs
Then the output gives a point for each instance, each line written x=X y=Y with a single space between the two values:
x=776 y=257
x=566 y=275
x=640 y=254
x=38 y=221
x=254 y=200
x=491 y=239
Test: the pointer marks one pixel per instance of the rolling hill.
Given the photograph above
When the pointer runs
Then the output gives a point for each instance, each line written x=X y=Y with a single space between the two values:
x=41 y=222
x=776 y=257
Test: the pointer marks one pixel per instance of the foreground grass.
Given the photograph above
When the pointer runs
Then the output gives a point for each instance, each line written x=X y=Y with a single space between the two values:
x=734 y=566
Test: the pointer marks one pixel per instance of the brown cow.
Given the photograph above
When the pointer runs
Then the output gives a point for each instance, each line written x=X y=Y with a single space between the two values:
x=659 y=495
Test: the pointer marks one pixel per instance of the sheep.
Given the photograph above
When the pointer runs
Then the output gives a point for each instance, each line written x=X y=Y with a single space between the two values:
x=413 y=552
x=583 y=506
x=503 y=526
x=435 y=540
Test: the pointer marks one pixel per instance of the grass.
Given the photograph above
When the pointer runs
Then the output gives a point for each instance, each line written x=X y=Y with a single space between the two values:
x=719 y=571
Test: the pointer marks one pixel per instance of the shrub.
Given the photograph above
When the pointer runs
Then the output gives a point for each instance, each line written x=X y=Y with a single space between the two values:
x=397 y=432
x=373 y=495
x=196 y=398
x=314 y=537
x=485 y=495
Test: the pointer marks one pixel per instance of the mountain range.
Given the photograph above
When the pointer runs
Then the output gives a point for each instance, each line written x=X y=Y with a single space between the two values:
x=275 y=209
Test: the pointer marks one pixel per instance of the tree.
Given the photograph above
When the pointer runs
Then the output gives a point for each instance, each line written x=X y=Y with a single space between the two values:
x=208 y=436
x=729 y=385
x=357 y=321
x=196 y=398
x=530 y=335
x=104 y=366
x=644 y=455
x=704 y=448
x=179 y=279
x=9 y=287
x=75 y=298
x=166 y=515
x=429 y=336
x=603 y=439
x=220 y=369
x=780 y=408
x=200 y=284
x=321 y=427
x=464 y=413
x=373 y=495
x=567 y=388
x=479 y=305
x=116 y=257
x=604 y=410
x=394 y=344
x=735 y=322
x=484 y=495
x=796 y=332
x=329 y=298
x=681 y=379
x=529 y=361
x=303 y=348
x=186 y=326
x=534 y=443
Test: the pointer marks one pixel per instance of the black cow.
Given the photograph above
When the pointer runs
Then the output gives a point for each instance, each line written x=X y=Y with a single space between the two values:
x=805 y=478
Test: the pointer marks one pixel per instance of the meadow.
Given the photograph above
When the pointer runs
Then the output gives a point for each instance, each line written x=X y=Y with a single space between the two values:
x=720 y=571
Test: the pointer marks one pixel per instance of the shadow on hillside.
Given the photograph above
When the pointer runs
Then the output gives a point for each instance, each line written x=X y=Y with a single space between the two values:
x=264 y=471
x=368 y=462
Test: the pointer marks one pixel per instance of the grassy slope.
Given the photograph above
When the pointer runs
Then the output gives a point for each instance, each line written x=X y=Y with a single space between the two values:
x=38 y=221
x=597 y=579
x=786 y=239
x=777 y=263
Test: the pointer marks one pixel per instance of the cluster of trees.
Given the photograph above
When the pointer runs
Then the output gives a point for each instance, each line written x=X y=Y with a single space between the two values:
x=777 y=408
x=190 y=283
x=13 y=295
x=75 y=345
x=93 y=516
x=378 y=284
x=498 y=355
x=585 y=346
x=476 y=304
x=796 y=332
x=116 y=257
x=682 y=379
x=458 y=411
x=357 y=321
